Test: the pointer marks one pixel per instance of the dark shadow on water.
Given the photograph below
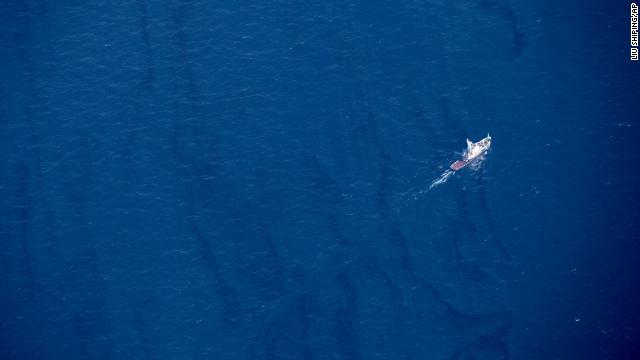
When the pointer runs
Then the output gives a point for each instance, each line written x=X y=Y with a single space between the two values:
x=504 y=12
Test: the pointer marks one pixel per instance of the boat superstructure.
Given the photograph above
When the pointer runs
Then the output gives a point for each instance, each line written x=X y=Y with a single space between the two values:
x=474 y=151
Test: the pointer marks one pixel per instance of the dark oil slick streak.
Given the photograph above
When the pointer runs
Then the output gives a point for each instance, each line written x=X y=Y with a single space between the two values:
x=502 y=10
x=346 y=319
x=486 y=212
x=149 y=77
x=186 y=135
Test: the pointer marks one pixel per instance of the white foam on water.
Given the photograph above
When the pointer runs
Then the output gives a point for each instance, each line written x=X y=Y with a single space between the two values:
x=442 y=179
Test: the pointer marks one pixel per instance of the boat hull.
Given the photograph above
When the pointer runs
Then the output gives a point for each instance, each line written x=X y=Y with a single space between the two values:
x=458 y=165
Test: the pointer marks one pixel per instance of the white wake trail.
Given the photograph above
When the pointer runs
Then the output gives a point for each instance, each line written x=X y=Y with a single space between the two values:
x=442 y=179
x=410 y=198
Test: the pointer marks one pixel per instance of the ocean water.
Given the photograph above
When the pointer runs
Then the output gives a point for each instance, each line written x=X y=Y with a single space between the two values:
x=250 y=180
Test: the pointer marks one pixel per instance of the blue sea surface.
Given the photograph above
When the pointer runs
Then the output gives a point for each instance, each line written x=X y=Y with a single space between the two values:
x=250 y=180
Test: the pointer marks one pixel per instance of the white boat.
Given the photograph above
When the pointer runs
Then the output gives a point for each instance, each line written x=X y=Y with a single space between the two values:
x=474 y=151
